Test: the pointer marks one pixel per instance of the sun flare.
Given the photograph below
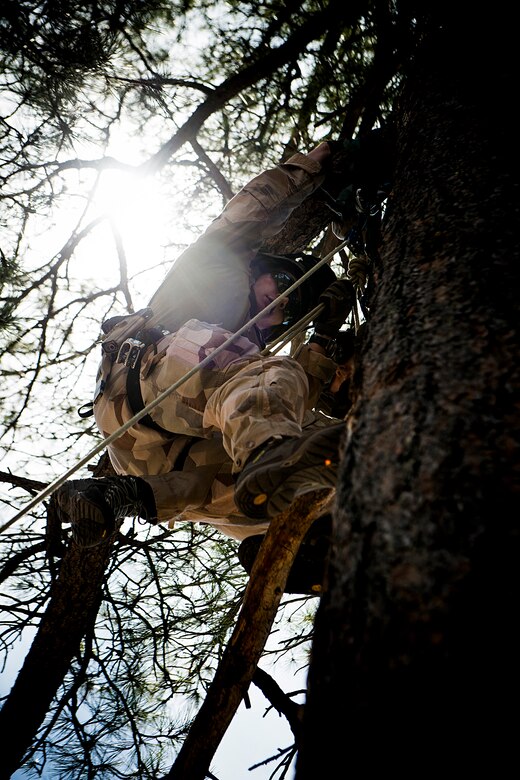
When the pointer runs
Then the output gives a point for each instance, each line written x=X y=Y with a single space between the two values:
x=136 y=215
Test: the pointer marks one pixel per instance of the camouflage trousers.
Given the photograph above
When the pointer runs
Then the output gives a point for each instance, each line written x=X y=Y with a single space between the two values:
x=244 y=396
x=203 y=492
x=237 y=401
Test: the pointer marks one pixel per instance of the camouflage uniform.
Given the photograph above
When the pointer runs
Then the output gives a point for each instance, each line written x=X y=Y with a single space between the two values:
x=240 y=399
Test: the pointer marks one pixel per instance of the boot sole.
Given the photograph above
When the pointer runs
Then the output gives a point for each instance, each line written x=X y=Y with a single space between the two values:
x=274 y=485
x=89 y=526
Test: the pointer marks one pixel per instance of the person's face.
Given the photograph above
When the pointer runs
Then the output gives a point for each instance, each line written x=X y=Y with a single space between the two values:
x=265 y=291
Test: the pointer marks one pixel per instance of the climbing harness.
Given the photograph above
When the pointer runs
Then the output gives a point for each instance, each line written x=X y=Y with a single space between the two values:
x=46 y=492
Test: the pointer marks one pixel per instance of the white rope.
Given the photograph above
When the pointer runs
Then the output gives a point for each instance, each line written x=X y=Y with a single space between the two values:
x=156 y=401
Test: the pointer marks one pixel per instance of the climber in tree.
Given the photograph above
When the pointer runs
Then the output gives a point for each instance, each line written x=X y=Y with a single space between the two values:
x=250 y=406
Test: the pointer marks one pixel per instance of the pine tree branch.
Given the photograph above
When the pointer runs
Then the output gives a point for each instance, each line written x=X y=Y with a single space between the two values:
x=261 y=68
x=280 y=701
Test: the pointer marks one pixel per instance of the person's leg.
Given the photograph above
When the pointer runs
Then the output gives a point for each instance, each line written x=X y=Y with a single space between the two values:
x=260 y=411
x=264 y=400
x=203 y=492
x=202 y=489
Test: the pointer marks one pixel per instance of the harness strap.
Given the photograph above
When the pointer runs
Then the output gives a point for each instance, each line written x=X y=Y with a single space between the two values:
x=135 y=399
x=136 y=403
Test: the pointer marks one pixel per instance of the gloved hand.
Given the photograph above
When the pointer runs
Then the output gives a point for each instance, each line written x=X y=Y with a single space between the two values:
x=338 y=300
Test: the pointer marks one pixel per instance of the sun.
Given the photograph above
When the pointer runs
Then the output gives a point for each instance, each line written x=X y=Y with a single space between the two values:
x=141 y=221
x=135 y=216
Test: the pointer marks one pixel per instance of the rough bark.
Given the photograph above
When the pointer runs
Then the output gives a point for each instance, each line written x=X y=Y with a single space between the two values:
x=415 y=658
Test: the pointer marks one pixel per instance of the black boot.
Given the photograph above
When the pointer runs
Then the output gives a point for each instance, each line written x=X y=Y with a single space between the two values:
x=278 y=472
x=95 y=508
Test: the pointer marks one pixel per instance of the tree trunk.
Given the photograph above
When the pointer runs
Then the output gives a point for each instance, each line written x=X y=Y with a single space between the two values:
x=72 y=609
x=415 y=658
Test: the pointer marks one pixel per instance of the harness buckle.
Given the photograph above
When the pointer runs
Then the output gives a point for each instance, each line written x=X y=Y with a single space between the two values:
x=129 y=352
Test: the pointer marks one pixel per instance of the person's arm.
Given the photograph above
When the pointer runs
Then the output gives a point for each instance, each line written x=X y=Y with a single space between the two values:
x=260 y=209
x=211 y=279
